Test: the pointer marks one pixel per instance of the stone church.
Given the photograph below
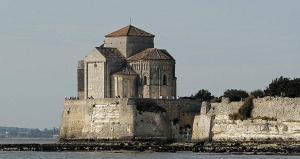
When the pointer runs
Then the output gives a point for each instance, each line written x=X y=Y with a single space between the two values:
x=127 y=91
x=127 y=65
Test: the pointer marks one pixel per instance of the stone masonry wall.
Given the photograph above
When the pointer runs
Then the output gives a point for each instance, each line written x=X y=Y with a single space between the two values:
x=111 y=119
x=284 y=109
x=272 y=119
x=129 y=46
x=149 y=125
x=202 y=124
x=181 y=114
x=73 y=119
x=106 y=120
x=153 y=87
x=95 y=79
x=136 y=44
x=96 y=119
x=117 y=42
x=255 y=130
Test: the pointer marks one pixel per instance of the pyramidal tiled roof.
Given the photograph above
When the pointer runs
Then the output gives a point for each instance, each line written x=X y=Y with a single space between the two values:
x=129 y=31
x=125 y=71
x=152 y=54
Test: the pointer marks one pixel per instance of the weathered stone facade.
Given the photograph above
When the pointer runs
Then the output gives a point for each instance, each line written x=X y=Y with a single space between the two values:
x=124 y=119
x=271 y=119
x=133 y=49
x=111 y=119
x=127 y=91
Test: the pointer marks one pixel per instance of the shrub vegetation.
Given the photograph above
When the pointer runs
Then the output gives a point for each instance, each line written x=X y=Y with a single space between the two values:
x=146 y=105
x=203 y=95
x=245 y=111
x=258 y=93
x=235 y=95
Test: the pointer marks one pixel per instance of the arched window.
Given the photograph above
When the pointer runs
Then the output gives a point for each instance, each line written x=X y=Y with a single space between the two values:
x=164 y=80
x=145 y=80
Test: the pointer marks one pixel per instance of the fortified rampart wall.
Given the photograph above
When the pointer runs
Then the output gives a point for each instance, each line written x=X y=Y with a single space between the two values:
x=124 y=119
x=110 y=119
x=181 y=114
x=284 y=109
x=97 y=119
x=182 y=110
x=121 y=119
x=272 y=119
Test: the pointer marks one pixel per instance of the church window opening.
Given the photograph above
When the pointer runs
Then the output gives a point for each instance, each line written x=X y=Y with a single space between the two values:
x=95 y=65
x=145 y=80
x=164 y=80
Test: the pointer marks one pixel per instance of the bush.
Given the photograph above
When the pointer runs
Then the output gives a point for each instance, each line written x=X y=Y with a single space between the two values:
x=148 y=105
x=187 y=98
x=266 y=118
x=245 y=111
x=216 y=100
x=203 y=95
x=258 y=93
x=235 y=95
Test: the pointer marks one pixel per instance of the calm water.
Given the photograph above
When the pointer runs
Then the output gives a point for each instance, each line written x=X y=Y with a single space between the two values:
x=27 y=141
x=128 y=155
x=118 y=155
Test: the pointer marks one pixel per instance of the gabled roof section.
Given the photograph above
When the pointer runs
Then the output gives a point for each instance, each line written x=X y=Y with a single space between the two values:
x=94 y=55
x=152 y=54
x=130 y=31
x=108 y=52
x=126 y=70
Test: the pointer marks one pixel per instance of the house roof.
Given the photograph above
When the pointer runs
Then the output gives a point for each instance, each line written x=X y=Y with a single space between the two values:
x=152 y=54
x=130 y=31
x=108 y=52
x=127 y=70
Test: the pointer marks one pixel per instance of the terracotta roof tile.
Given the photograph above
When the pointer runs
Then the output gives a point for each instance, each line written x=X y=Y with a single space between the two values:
x=127 y=70
x=129 y=31
x=152 y=54
x=108 y=52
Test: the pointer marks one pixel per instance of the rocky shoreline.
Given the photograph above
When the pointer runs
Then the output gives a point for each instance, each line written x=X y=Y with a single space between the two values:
x=291 y=148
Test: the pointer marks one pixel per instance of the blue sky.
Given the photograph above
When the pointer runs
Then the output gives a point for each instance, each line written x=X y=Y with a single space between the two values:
x=217 y=44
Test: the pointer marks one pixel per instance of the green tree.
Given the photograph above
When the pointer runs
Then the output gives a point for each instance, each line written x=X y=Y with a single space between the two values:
x=293 y=88
x=203 y=95
x=258 y=93
x=284 y=87
x=235 y=95
x=277 y=87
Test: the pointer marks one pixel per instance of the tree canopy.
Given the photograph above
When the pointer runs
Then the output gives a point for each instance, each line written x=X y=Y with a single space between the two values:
x=258 y=93
x=203 y=95
x=284 y=87
x=235 y=95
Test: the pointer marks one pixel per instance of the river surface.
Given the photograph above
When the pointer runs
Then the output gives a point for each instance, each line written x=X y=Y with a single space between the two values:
x=131 y=155
x=119 y=154
x=27 y=141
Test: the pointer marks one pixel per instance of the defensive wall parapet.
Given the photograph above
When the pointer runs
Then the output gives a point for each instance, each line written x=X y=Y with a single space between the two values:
x=127 y=118
x=272 y=118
